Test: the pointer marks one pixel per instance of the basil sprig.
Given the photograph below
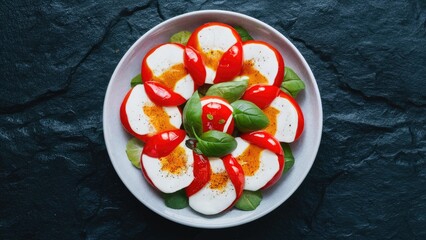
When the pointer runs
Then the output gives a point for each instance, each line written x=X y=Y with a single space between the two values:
x=245 y=36
x=288 y=157
x=248 y=117
x=249 y=200
x=192 y=116
x=292 y=84
x=230 y=91
x=215 y=143
x=136 y=80
x=176 y=200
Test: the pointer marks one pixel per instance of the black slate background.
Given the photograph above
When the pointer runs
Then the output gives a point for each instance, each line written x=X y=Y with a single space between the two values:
x=369 y=178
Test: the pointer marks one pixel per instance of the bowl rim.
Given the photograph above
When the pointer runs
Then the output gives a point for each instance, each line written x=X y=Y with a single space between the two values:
x=269 y=28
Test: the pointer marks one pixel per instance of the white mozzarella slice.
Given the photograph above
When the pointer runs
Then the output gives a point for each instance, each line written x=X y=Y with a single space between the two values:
x=212 y=201
x=139 y=122
x=264 y=58
x=287 y=120
x=216 y=38
x=268 y=166
x=166 y=181
x=165 y=57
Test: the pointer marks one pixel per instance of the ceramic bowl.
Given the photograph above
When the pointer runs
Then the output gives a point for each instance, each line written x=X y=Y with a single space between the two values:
x=304 y=150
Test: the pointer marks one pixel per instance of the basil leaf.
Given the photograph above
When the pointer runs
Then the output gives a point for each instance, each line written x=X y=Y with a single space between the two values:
x=176 y=200
x=180 y=37
x=136 y=80
x=192 y=115
x=292 y=83
x=245 y=36
x=215 y=143
x=134 y=149
x=249 y=200
x=288 y=157
x=248 y=117
x=230 y=91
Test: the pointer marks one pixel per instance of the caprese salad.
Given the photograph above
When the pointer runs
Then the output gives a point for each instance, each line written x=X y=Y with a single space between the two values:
x=212 y=114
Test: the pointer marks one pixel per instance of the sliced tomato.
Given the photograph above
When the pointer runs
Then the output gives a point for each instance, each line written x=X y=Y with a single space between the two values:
x=236 y=174
x=195 y=66
x=216 y=114
x=263 y=64
x=222 y=56
x=163 y=143
x=263 y=140
x=165 y=65
x=202 y=173
x=230 y=64
x=161 y=95
x=261 y=95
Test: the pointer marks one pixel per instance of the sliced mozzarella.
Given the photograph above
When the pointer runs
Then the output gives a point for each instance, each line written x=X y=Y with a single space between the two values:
x=163 y=58
x=139 y=121
x=216 y=38
x=258 y=57
x=171 y=173
x=259 y=168
x=285 y=120
x=218 y=194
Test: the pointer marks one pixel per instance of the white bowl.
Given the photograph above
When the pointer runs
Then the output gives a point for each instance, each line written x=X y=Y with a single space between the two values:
x=304 y=150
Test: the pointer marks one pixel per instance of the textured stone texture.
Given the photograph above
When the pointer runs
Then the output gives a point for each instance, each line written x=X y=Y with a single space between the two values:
x=368 y=181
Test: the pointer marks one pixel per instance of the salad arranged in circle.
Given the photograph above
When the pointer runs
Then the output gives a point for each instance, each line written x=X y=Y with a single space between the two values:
x=212 y=114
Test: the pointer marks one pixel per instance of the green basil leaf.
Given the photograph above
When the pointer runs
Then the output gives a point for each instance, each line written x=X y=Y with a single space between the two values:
x=248 y=117
x=249 y=200
x=215 y=143
x=288 y=157
x=245 y=36
x=180 y=37
x=192 y=115
x=134 y=149
x=292 y=83
x=176 y=200
x=136 y=80
x=231 y=91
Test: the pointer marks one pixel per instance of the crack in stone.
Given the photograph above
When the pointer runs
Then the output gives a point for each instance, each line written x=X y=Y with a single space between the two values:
x=160 y=13
x=50 y=94
x=326 y=184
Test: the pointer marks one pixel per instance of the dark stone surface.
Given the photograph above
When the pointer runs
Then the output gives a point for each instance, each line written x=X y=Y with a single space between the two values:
x=368 y=181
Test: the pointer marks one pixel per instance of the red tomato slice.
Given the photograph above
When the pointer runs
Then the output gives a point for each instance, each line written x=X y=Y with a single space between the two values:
x=261 y=95
x=228 y=62
x=235 y=173
x=253 y=60
x=201 y=174
x=161 y=95
x=216 y=114
x=194 y=64
x=162 y=144
x=263 y=140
